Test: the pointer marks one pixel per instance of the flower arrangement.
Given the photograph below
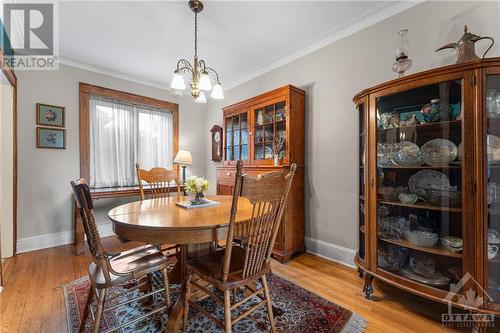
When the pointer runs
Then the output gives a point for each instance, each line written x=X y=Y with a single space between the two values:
x=277 y=148
x=194 y=187
x=278 y=145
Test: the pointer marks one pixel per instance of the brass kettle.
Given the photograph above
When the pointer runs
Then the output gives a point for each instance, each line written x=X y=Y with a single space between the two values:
x=465 y=46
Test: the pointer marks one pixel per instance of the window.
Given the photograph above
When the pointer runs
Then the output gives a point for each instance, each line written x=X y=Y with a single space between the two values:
x=122 y=134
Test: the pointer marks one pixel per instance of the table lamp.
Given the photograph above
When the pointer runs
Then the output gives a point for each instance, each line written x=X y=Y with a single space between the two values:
x=183 y=159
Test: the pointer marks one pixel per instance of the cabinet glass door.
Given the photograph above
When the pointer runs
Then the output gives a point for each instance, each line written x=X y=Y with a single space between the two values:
x=419 y=184
x=270 y=127
x=236 y=144
x=493 y=188
x=362 y=171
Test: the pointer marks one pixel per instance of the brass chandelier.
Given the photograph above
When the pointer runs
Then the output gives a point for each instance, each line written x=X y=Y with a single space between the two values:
x=200 y=74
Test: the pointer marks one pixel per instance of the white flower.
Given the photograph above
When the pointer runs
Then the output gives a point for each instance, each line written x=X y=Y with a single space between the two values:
x=196 y=185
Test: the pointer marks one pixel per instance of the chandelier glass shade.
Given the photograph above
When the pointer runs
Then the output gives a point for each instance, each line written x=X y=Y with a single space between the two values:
x=201 y=77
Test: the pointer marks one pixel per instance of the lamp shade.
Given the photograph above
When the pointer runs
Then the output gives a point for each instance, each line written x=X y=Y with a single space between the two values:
x=183 y=157
x=217 y=92
x=205 y=83
x=178 y=81
x=201 y=98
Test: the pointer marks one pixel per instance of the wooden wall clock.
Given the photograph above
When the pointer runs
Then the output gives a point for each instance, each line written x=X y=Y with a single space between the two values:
x=216 y=143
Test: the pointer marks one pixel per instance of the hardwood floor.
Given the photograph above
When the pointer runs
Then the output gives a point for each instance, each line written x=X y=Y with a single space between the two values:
x=32 y=300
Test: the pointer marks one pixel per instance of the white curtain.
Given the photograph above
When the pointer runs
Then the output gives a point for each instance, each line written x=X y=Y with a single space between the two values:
x=122 y=134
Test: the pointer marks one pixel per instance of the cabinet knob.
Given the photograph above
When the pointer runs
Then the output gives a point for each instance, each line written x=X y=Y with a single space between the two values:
x=250 y=133
x=228 y=174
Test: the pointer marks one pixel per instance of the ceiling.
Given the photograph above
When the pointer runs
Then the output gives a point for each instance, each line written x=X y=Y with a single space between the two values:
x=143 y=40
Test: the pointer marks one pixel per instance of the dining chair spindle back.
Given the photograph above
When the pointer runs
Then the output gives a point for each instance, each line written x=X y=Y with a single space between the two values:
x=246 y=262
x=111 y=269
x=159 y=181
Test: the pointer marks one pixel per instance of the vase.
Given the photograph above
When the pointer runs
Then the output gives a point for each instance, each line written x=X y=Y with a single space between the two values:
x=276 y=159
x=196 y=198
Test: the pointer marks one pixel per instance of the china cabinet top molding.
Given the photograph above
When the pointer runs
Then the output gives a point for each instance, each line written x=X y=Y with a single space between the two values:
x=418 y=78
x=262 y=98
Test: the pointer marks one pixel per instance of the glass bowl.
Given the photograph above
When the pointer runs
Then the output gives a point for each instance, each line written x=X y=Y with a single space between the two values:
x=408 y=198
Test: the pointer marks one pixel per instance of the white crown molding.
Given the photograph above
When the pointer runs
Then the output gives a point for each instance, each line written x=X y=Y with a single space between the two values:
x=108 y=72
x=370 y=17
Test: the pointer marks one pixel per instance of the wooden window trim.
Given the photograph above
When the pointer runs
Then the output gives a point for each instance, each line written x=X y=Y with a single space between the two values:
x=86 y=90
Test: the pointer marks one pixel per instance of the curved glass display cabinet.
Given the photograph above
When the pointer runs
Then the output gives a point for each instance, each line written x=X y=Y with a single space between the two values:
x=429 y=215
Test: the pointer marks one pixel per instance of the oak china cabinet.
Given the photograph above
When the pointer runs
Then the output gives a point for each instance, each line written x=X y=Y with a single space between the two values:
x=429 y=183
x=250 y=128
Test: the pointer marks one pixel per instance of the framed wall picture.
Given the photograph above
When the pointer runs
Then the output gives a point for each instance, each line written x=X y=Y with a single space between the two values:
x=49 y=115
x=47 y=137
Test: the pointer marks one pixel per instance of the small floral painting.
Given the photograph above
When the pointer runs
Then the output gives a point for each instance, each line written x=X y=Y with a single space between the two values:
x=49 y=115
x=47 y=137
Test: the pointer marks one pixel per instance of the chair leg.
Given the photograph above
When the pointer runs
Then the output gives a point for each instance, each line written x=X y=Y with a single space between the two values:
x=166 y=285
x=269 y=306
x=90 y=296
x=149 y=277
x=235 y=295
x=100 y=308
x=227 y=311
x=187 y=298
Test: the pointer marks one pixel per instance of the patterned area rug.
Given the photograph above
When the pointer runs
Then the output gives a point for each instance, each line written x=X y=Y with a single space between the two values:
x=295 y=310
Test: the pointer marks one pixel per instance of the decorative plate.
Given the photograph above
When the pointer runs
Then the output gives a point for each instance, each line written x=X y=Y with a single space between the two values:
x=268 y=152
x=440 y=152
x=408 y=154
x=423 y=180
x=494 y=147
x=436 y=279
x=493 y=236
x=408 y=148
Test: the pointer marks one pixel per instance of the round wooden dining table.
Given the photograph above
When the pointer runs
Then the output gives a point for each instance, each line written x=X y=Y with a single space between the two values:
x=162 y=221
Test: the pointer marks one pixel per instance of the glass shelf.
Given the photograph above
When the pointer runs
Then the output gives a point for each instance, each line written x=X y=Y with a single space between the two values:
x=408 y=124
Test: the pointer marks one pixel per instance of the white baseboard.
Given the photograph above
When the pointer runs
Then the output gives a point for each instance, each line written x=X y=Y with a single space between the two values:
x=330 y=251
x=55 y=239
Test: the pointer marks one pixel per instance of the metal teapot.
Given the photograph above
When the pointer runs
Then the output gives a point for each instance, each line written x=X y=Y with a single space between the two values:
x=465 y=46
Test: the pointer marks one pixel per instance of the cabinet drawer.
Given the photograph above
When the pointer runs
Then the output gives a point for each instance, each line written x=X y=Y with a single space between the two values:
x=226 y=177
x=255 y=173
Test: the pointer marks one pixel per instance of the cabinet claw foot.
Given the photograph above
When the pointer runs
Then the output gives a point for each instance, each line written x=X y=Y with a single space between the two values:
x=368 y=288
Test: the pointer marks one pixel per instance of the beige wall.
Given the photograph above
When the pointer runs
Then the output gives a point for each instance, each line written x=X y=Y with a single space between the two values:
x=332 y=76
x=45 y=205
x=6 y=171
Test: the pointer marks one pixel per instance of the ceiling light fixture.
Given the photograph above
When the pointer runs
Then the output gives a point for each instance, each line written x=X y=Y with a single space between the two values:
x=200 y=74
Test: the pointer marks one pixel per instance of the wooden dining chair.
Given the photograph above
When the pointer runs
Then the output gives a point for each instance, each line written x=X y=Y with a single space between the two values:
x=111 y=269
x=159 y=181
x=243 y=265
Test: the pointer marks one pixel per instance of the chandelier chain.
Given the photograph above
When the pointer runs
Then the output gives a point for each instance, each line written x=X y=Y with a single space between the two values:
x=196 y=35
x=201 y=76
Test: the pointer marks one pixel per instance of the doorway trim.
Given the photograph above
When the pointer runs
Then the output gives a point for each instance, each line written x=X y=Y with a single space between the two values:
x=9 y=73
